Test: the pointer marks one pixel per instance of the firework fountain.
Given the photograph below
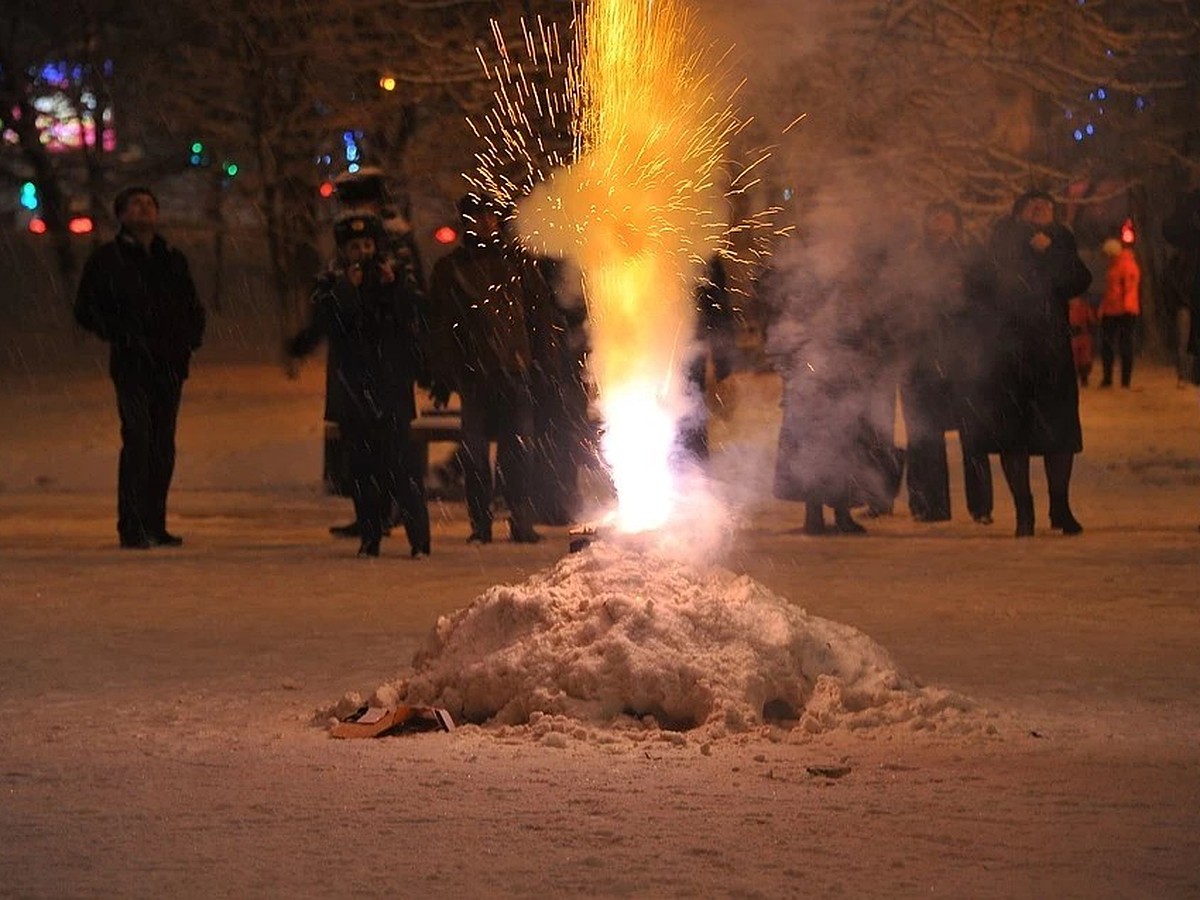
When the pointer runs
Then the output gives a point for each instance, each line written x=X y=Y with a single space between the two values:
x=638 y=208
x=627 y=633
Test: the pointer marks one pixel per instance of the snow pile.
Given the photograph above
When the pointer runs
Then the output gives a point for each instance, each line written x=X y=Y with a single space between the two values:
x=614 y=632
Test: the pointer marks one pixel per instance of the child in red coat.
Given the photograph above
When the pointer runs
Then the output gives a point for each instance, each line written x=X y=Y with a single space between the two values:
x=1082 y=318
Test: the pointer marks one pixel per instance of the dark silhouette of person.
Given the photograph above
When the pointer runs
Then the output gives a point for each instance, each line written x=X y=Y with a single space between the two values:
x=137 y=294
x=1029 y=405
x=369 y=311
x=715 y=337
x=491 y=330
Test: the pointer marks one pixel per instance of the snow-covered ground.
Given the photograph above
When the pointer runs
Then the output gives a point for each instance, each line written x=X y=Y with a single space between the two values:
x=157 y=707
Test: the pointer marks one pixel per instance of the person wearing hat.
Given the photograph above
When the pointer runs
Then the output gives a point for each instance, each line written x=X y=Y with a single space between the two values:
x=369 y=316
x=491 y=334
x=366 y=191
x=137 y=294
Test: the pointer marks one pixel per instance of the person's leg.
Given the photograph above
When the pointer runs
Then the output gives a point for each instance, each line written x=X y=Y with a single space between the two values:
x=476 y=464
x=929 y=478
x=814 y=518
x=513 y=458
x=1126 y=348
x=368 y=474
x=1016 y=472
x=977 y=484
x=1058 y=479
x=1108 y=338
x=843 y=522
x=164 y=415
x=133 y=468
x=408 y=489
x=1183 y=360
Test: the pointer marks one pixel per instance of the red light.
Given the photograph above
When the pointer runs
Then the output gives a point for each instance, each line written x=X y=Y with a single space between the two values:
x=1127 y=233
x=445 y=235
x=326 y=190
x=80 y=225
x=37 y=226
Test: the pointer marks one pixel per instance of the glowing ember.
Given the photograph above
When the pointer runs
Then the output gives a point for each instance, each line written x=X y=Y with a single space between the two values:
x=639 y=210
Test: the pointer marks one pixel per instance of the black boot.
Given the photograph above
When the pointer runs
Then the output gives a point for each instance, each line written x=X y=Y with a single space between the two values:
x=369 y=548
x=844 y=523
x=1024 y=515
x=1061 y=518
x=523 y=532
x=480 y=534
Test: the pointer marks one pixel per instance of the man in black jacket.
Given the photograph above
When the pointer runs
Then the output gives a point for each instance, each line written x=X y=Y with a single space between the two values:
x=137 y=294
x=491 y=330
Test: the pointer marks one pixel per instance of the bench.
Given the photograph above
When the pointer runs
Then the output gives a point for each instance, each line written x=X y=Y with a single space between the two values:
x=431 y=426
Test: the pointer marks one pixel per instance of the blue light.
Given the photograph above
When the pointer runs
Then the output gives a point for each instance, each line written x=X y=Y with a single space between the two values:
x=351 y=152
x=1070 y=115
x=348 y=137
x=1102 y=94
x=1090 y=128
x=1140 y=103
x=29 y=198
x=1078 y=135
x=352 y=168
x=55 y=73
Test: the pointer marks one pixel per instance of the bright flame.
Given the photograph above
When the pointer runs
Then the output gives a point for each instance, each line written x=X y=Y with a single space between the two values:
x=638 y=211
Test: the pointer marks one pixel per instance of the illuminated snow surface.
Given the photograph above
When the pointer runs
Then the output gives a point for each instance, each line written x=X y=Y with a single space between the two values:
x=623 y=636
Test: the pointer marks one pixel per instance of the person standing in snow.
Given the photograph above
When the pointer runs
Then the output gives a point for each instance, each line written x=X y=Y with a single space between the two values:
x=366 y=191
x=491 y=331
x=1119 y=311
x=1030 y=403
x=368 y=312
x=714 y=339
x=136 y=293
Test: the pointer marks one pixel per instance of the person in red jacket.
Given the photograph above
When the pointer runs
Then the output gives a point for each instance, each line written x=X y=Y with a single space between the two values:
x=1082 y=318
x=1119 y=311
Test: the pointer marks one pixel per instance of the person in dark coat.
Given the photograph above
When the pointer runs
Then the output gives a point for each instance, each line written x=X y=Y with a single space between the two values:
x=818 y=344
x=368 y=312
x=491 y=329
x=933 y=387
x=714 y=339
x=1031 y=399
x=1182 y=231
x=367 y=191
x=560 y=404
x=137 y=294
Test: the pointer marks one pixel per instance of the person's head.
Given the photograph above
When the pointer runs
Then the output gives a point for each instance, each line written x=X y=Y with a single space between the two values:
x=136 y=208
x=482 y=218
x=358 y=236
x=1034 y=208
x=942 y=223
x=1112 y=247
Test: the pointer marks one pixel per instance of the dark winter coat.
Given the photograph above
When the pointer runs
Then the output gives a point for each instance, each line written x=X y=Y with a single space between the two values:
x=142 y=301
x=820 y=341
x=491 y=315
x=936 y=338
x=1027 y=398
x=372 y=331
x=1182 y=231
